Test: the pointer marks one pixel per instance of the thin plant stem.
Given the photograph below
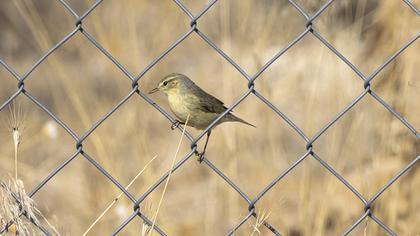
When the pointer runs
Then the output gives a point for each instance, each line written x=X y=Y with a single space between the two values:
x=16 y=140
x=259 y=221
x=16 y=124
x=16 y=165
x=169 y=176
x=118 y=197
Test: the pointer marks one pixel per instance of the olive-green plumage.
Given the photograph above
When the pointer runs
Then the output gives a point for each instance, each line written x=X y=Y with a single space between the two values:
x=186 y=98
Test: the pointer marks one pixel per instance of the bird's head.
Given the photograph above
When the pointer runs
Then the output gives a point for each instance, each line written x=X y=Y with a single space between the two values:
x=172 y=83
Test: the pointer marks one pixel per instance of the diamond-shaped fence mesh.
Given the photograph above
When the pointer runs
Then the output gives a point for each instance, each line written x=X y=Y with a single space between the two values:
x=309 y=150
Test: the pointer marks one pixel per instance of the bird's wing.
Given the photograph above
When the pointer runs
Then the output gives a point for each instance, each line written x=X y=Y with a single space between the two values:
x=208 y=103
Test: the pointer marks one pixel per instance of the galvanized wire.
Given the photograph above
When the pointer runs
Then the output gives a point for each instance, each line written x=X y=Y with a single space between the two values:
x=307 y=151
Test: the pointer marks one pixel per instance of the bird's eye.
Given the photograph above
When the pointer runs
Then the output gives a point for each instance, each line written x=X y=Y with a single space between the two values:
x=165 y=83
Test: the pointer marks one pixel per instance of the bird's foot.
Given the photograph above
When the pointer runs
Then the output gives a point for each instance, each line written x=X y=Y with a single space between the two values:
x=200 y=156
x=175 y=124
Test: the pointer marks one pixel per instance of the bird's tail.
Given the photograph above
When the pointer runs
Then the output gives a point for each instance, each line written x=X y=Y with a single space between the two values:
x=232 y=117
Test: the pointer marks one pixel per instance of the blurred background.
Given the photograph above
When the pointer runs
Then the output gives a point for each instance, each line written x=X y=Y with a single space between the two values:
x=310 y=84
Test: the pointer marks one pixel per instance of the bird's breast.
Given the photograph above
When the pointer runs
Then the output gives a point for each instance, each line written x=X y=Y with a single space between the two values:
x=188 y=104
x=181 y=105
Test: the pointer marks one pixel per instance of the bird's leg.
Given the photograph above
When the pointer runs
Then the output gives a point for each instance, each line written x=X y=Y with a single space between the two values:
x=200 y=155
x=176 y=123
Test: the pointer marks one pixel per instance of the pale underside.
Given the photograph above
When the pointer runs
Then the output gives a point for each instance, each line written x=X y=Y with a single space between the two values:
x=187 y=105
x=201 y=113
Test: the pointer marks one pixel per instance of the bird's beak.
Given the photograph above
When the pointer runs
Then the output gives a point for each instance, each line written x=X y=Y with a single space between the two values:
x=153 y=90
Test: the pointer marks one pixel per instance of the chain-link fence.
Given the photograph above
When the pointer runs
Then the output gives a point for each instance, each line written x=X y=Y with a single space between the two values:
x=309 y=149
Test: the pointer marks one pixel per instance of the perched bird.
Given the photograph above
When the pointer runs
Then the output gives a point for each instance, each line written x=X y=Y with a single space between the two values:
x=186 y=98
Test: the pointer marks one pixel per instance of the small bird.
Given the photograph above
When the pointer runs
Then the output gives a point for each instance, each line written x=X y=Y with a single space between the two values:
x=187 y=99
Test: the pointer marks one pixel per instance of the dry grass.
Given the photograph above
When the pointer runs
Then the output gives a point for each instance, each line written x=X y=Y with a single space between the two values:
x=117 y=198
x=309 y=84
x=14 y=201
x=259 y=221
x=170 y=171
